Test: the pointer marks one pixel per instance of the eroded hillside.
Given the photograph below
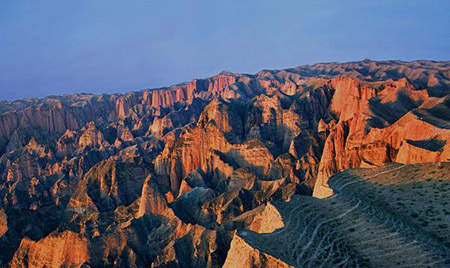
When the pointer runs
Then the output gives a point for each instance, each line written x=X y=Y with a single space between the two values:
x=393 y=216
x=165 y=177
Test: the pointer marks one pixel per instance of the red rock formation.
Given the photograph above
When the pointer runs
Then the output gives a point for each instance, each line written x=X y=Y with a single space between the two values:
x=165 y=176
x=242 y=255
x=268 y=221
x=353 y=143
x=152 y=201
x=90 y=136
x=8 y=123
x=350 y=97
x=3 y=222
x=124 y=105
x=67 y=248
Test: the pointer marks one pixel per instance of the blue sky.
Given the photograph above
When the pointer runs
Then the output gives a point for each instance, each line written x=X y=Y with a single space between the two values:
x=50 y=47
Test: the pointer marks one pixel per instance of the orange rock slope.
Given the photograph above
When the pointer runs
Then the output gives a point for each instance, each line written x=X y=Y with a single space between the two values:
x=164 y=177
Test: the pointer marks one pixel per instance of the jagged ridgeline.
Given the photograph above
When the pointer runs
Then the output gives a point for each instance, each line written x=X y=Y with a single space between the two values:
x=227 y=171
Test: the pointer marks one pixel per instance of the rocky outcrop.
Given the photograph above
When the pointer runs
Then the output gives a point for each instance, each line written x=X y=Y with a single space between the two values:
x=65 y=249
x=152 y=201
x=329 y=164
x=226 y=117
x=125 y=104
x=176 y=176
x=195 y=246
x=243 y=255
x=268 y=221
x=8 y=123
x=406 y=136
x=110 y=184
x=3 y=222
x=56 y=115
x=207 y=148
x=423 y=151
x=90 y=136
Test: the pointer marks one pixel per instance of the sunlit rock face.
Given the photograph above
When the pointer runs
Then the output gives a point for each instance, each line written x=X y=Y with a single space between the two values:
x=171 y=177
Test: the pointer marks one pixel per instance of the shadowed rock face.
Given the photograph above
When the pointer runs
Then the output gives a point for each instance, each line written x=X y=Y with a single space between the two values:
x=164 y=177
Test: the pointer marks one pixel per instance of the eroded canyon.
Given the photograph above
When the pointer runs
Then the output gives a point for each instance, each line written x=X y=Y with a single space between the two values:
x=292 y=168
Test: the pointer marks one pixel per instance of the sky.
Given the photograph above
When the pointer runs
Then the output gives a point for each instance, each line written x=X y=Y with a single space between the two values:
x=54 y=47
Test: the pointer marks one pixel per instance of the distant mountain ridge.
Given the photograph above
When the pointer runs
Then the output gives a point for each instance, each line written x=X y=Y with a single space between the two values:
x=164 y=177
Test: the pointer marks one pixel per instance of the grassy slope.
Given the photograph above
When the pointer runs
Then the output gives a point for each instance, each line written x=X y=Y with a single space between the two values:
x=393 y=216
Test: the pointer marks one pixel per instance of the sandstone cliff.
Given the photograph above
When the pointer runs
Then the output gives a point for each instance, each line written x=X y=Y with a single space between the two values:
x=193 y=174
